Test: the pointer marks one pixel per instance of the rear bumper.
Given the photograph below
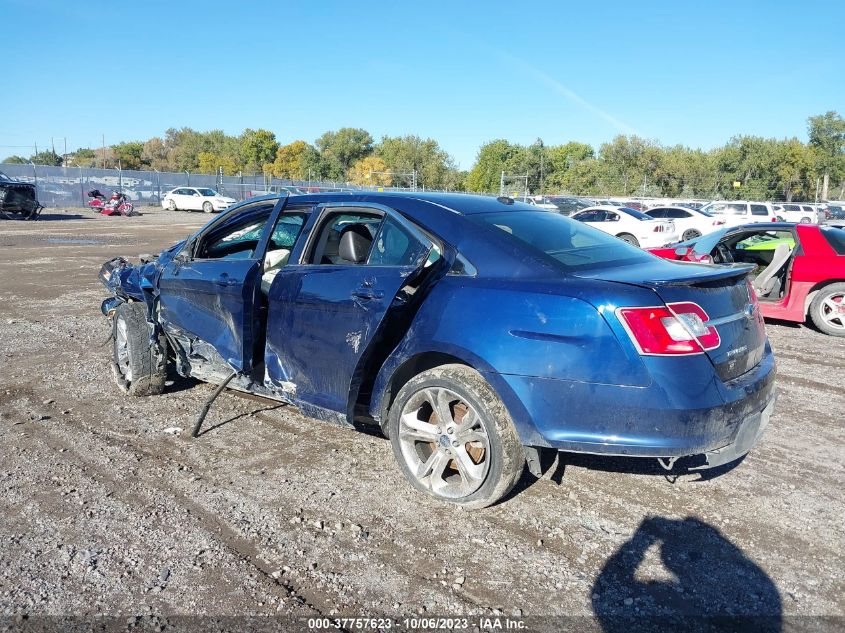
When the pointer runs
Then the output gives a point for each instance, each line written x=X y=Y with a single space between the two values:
x=697 y=415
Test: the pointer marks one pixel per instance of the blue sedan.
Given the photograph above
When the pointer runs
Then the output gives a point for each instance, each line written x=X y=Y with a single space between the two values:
x=481 y=334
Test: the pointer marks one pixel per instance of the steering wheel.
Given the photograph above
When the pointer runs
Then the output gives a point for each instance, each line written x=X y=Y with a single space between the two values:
x=723 y=254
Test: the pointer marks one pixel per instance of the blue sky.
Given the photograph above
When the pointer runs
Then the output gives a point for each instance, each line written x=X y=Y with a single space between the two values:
x=463 y=73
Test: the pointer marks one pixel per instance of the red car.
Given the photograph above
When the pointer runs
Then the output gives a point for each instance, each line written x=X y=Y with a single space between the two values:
x=799 y=268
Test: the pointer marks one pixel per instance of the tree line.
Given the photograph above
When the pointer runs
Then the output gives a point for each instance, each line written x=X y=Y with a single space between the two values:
x=750 y=167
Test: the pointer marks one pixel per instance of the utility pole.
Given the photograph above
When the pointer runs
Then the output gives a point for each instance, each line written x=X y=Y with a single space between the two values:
x=502 y=184
x=104 y=151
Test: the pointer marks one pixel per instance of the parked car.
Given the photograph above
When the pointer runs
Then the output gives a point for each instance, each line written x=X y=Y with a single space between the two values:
x=690 y=223
x=738 y=212
x=18 y=200
x=196 y=199
x=836 y=211
x=629 y=225
x=799 y=268
x=542 y=202
x=567 y=205
x=478 y=333
x=794 y=212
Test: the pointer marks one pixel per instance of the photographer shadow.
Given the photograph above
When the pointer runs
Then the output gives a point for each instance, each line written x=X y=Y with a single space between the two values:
x=706 y=583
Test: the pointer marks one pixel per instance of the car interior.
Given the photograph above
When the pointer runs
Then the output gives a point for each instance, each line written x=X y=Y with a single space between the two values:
x=770 y=252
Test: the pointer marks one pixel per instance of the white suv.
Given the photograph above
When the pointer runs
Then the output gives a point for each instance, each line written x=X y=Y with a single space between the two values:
x=736 y=212
x=792 y=212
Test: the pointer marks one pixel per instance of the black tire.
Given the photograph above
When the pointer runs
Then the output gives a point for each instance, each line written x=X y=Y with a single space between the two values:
x=627 y=237
x=804 y=220
x=171 y=204
x=690 y=234
x=207 y=207
x=821 y=312
x=502 y=458
x=139 y=368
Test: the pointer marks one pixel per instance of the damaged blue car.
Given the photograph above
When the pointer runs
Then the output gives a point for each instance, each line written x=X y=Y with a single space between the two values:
x=479 y=333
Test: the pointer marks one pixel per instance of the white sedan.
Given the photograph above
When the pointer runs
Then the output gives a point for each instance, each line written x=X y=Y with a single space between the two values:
x=690 y=223
x=629 y=225
x=196 y=199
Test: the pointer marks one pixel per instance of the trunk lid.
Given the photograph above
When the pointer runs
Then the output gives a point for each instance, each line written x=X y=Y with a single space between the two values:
x=721 y=291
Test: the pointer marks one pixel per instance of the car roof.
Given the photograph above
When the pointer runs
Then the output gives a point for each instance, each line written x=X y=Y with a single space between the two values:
x=460 y=203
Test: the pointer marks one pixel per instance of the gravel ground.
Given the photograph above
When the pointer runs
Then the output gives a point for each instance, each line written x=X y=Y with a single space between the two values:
x=107 y=508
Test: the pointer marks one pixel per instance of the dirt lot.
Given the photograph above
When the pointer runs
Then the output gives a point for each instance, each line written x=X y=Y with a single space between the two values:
x=106 y=510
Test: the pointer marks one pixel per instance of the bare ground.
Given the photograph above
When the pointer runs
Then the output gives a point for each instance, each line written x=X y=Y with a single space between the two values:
x=269 y=512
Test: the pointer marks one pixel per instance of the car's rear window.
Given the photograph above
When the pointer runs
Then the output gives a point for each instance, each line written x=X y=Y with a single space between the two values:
x=835 y=237
x=570 y=244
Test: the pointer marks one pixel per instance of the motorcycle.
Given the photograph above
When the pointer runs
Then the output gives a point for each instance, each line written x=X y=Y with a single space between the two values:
x=118 y=204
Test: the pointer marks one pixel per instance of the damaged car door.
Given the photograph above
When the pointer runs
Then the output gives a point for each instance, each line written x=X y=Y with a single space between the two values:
x=209 y=292
x=325 y=311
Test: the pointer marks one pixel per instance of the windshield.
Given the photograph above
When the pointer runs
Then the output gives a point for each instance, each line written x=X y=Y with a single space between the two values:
x=700 y=212
x=635 y=214
x=4 y=177
x=571 y=245
x=207 y=192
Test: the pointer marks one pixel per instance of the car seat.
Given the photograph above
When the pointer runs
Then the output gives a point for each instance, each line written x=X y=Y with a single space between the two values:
x=273 y=262
x=355 y=242
x=768 y=281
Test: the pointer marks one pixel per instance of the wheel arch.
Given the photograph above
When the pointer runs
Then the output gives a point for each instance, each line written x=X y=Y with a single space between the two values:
x=814 y=291
x=400 y=368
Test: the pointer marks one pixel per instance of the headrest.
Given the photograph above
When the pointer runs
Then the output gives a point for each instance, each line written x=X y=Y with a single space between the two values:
x=355 y=242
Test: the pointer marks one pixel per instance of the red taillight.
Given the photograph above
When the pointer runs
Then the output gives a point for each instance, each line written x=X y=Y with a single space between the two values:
x=675 y=329
x=718 y=222
x=774 y=219
x=658 y=228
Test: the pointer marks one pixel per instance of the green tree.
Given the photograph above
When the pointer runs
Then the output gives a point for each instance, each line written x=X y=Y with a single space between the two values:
x=130 y=155
x=46 y=157
x=560 y=159
x=340 y=149
x=827 y=137
x=15 y=160
x=406 y=154
x=257 y=148
x=494 y=157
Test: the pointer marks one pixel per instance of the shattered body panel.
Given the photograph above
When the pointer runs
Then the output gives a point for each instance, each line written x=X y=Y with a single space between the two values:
x=339 y=340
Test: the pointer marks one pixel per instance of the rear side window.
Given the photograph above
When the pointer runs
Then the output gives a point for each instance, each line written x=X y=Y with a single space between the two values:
x=836 y=239
x=759 y=209
x=567 y=244
x=394 y=246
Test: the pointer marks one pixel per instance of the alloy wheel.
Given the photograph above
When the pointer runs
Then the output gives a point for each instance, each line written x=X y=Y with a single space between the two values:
x=833 y=310
x=444 y=442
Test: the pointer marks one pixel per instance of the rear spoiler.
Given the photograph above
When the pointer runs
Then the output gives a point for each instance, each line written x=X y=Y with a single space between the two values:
x=704 y=273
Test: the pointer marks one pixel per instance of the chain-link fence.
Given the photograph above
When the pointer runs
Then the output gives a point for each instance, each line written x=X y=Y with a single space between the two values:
x=69 y=186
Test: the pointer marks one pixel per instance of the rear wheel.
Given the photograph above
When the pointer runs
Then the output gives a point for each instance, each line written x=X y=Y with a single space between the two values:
x=827 y=311
x=690 y=234
x=454 y=439
x=207 y=207
x=139 y=367
x=171 y=204
x=627 y=237
x=805 y=220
